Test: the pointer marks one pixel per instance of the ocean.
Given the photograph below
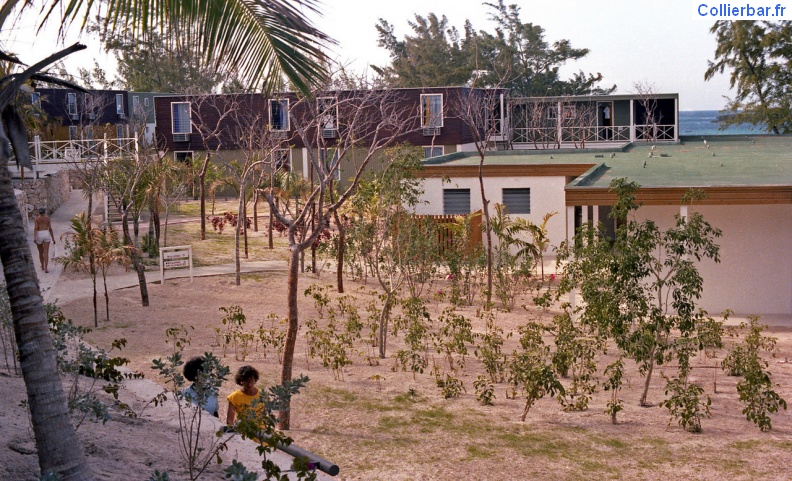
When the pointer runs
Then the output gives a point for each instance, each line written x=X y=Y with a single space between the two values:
x=704 y=122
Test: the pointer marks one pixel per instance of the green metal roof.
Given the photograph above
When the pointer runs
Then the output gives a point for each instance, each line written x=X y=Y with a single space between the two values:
x=761 y=160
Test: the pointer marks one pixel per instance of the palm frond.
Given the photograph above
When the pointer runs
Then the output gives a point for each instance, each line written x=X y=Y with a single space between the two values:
x=263 y=40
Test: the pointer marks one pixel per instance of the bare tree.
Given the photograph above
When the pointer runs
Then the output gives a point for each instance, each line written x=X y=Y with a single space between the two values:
x=211 y=117
x=481 y=110
x=260 y=154
x=647 y=99
x=577 y=122
x=369 y=120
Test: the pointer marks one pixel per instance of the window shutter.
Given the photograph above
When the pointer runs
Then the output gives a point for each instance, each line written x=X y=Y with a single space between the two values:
x=456 y=201
x=517 y=201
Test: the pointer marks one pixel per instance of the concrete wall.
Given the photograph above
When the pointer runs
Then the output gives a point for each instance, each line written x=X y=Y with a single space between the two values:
x=547 y=195
x=49 y=191
x=755 y=272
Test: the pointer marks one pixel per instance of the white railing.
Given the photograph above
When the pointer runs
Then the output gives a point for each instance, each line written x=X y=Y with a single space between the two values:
x=655 y=132
x=55 y=152
x=547 y=136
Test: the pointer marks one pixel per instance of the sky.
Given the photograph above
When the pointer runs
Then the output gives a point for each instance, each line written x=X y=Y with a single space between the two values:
x=657 y=42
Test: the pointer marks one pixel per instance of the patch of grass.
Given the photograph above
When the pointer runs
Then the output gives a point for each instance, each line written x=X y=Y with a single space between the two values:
x=432 y=418
x=389 y=423
x=335 y=398
x=751 y=444
x=615 y=443
x=477 y=451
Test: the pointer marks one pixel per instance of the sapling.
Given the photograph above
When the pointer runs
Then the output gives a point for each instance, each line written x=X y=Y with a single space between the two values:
x=614 y=374
x=685 y=402
x=530 y=368
x=755 y=388
x=485 y=391
x=489 y=350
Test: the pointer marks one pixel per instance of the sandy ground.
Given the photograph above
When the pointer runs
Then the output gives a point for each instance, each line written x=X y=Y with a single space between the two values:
x=364 y=424
x=379 y=423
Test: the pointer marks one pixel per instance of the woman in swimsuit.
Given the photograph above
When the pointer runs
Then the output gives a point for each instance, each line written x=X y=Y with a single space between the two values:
x=43 y=235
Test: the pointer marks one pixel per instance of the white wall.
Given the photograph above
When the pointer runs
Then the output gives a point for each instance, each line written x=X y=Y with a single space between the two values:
x=547 y=195
x=755 y=272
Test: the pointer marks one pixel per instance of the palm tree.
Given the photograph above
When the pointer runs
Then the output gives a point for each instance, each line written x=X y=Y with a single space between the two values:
x=109 y=250
x=262 y=40
x=80 y=253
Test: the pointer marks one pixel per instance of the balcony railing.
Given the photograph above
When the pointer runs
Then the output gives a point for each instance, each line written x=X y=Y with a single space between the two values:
x=57 y=152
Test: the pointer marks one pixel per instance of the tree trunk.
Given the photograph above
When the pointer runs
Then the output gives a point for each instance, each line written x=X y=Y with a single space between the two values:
x=488 y=231
x=93 y=278
x=284 y=416
x=255 y=210
x=269 y=232
x=59 y=448
x=340 y=253
x=236 y=238
x=384 y=318
x=201 y=180
x=244 y=225
x=107 y=297
x=144 y=298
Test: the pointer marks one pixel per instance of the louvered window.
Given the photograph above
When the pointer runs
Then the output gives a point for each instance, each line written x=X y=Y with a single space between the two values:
x=517 y=201
x=456 y=201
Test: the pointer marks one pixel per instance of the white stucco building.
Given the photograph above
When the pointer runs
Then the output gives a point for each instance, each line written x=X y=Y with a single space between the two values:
x=748 y=182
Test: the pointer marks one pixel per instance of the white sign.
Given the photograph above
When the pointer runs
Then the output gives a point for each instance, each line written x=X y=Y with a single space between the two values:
x=177 y=257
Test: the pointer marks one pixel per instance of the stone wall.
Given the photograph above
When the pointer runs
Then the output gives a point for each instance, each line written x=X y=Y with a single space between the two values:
x=49 y=191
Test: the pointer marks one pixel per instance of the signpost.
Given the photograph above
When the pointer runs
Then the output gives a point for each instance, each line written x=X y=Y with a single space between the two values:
x=176 y=257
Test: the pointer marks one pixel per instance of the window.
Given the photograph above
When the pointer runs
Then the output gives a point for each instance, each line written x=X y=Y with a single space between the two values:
x=180 y=118
x=120 y=104
x=433 y=151
x=517 y=201
x=72 y=132
x=279 y=114
x=135 y=104
x=328 y=116
x=89 y=132
x=71 y=104
x=281 y=159
x=431 y=110
x=456 y=201
x=184 y=157
x=119 y=131
x=329 y=158
x=145 y=101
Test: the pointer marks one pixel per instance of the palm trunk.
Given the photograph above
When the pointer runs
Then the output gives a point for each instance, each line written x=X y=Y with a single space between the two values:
x=59 y=448
x=284 y=416
x=107 y=297
x=144 y=298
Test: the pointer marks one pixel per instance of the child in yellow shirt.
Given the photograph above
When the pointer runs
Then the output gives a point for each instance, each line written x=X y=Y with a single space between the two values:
x=239 y=400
